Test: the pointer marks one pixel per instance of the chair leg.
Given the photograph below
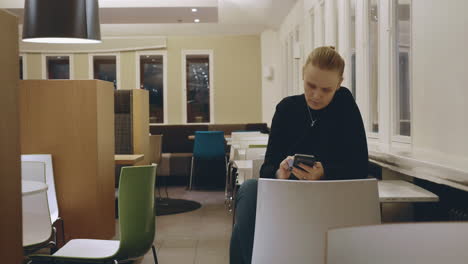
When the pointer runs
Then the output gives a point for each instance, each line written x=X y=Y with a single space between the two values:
x=154 y=255
x=191 y=175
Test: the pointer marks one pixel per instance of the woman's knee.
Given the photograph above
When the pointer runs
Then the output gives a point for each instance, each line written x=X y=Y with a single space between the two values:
x=248 y=189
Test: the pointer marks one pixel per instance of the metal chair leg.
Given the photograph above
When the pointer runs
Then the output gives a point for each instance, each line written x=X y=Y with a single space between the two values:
x=191 y=175
x=154 y=255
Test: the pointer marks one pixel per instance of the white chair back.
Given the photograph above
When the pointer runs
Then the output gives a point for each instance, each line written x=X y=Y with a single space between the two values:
x=294 y=216
x=33 y=171
x=428 y=243
x=49 y=171
x=37 y=226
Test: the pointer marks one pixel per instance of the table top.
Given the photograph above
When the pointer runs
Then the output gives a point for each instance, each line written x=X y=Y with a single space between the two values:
x=391 y=191
x=243 y=164
x=128 y=159
x=32 y=187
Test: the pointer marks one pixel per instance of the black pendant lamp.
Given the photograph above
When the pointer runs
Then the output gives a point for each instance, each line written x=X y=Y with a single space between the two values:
x=61 y=21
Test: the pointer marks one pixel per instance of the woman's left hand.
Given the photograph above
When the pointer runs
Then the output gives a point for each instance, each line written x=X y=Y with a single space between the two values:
x=309 y=173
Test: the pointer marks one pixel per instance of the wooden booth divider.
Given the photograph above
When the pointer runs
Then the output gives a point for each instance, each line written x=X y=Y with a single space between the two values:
x=11 y=239
x=74 y=121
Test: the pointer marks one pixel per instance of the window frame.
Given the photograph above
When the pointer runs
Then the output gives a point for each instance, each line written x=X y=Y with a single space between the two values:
x=312 y=30
x=138 y=78
x=44 y=65
x=117 y=66
x=367 y=8
x=184 y=54
x=398 y=139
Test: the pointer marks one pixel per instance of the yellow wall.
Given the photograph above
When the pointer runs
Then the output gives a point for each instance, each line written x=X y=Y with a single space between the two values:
x=237 y=75
x=34 y=66
x=81 y=66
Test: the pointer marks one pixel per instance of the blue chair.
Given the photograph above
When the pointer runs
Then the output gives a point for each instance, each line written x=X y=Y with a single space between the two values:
x=209 y=145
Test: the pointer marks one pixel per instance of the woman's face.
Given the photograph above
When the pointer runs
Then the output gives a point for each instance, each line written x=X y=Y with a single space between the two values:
x=320 y=86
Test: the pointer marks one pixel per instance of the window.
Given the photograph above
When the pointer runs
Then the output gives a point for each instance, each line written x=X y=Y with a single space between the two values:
x=21 y=67
x=151 y=78
x=198 y=87
x=286 y=65
x=322 y=22
x=336 y=13
x=373 y=65
x=402 y=54
x=104 y=67
x=57 y=67
x=312 y=29
x=352 y=38
x=291 y=78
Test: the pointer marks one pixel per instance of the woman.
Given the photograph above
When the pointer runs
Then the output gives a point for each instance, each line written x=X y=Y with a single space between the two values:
x=325 y=122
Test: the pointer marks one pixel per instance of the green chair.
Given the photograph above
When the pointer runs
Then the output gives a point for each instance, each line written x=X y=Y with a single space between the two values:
x=136 y=225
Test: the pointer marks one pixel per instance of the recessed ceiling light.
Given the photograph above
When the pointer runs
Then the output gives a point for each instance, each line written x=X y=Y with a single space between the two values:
x=196 y=20
x=194 y=10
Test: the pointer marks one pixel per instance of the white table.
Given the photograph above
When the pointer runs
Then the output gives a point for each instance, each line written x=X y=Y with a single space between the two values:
x=390 y=191
x=244 y=170
x=32 y=187
x=398 y=191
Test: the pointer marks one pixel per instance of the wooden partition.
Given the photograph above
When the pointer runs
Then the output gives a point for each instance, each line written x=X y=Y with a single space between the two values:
x=140 y=117
x=74 y=121
x=10 y=175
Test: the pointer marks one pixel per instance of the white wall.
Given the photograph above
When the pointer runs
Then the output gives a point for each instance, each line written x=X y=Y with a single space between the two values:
x=439 y=71
x=271 y=74
x=440 y=77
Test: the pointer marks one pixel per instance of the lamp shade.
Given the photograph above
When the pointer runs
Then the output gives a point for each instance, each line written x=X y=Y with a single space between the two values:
x=61 y=21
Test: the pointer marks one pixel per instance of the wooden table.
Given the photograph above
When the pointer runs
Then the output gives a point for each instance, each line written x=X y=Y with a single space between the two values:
x=128 y=159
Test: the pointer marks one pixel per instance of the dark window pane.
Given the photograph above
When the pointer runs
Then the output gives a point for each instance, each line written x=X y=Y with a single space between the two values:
x=58 y=67
x=21 y=67
x=105 y=68
x=151 y=79
x=374 y=64
x=198 y=89
x=403 y=36
x=353 y=74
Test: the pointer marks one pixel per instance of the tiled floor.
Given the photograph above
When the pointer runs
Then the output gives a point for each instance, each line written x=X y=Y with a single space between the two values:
x=200 y=236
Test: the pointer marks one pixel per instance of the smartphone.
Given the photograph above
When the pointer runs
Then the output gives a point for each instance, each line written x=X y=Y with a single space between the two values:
x=308 y=160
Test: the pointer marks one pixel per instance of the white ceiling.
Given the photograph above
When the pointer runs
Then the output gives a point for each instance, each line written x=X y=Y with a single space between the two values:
x=174 y=17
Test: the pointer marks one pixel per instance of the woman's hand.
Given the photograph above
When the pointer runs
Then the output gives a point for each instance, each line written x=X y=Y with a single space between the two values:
x=310 y=173
x=283 y=172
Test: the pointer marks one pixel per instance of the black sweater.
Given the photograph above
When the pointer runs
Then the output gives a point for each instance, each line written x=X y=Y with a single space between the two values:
x=337 y=140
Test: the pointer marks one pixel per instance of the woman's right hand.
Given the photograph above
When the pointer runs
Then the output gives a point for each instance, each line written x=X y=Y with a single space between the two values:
x=283 y=172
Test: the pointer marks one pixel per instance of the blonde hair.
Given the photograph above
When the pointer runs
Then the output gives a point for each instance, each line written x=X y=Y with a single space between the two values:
x=326 y=58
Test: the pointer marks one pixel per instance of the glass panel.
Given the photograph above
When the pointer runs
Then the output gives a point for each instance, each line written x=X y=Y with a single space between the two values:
x=291 y=65
x=373 y=65
x=105 y=68
x=352 y=39
x=312 y=30
x=198 y=89
x=322 y=18
x=403 y=36
x=58 y=67
x=151 y=79
x=21 y=67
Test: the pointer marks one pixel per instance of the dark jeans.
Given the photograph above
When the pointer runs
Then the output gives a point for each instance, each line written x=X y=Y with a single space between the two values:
x=244 y=226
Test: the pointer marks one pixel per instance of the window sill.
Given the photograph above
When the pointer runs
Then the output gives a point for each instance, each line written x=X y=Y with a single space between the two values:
x=430 y=166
